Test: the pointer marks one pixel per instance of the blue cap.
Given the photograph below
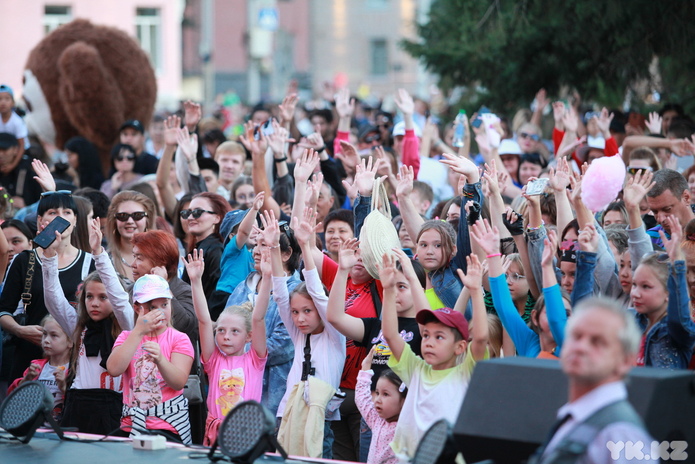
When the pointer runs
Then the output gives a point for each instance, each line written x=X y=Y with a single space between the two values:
x=230 y=221
x=4 y=88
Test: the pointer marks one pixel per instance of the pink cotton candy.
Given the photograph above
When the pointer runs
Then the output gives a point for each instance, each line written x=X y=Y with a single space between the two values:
x=602 y=182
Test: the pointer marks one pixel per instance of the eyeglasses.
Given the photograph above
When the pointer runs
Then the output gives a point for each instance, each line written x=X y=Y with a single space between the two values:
x=137 y=215
x=514 y=277
x=129 y=157
x=633 y=171
x=196 y=213
x=533 y=137
x=56 y=192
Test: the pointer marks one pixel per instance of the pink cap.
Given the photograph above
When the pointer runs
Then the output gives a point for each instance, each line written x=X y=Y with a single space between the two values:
x=150 y=287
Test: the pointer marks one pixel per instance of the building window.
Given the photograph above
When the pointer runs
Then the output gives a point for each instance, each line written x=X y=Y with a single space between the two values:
x=148 y=29
x=55 y=16
x=380 y=57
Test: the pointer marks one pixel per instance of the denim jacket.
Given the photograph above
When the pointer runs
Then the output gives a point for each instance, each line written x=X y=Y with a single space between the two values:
x=445 y=281
x=670 y=341
x=280 y=346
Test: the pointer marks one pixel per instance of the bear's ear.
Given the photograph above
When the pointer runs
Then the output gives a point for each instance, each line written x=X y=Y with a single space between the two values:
x=90 y=96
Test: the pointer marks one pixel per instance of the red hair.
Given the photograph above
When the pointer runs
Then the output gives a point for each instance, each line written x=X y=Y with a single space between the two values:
x=160 y=248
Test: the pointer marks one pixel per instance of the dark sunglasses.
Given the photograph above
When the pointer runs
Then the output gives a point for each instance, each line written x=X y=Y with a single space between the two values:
x=196 y=213
x=634 y=171
x=61 y=192
x=372 y=138
x=533 y=137
x=138 y=215
x=129 y=157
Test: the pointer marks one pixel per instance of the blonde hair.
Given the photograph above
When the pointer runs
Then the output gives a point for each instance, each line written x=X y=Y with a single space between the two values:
x=243 y=310
x=230 y=148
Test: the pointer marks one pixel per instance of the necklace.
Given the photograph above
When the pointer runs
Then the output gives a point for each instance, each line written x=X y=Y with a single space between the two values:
x=126 y=262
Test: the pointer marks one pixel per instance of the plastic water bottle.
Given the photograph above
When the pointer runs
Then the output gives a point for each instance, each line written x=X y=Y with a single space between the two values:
x=460 y=129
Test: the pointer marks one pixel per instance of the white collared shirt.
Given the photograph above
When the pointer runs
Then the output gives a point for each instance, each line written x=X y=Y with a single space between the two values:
x=598 y=450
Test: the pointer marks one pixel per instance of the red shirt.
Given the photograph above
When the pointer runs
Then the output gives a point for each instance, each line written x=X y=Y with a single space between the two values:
x=358 y=303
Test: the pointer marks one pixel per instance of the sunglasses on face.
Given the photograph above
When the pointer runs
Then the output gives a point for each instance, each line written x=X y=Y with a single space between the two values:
x=196 y=213
x=533 y=137
x=138 y=215
x=632 y=171
x=372 y=138
x=129 y=157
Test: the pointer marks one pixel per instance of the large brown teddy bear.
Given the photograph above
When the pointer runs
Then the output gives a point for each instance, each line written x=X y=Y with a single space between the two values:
x=83 y=79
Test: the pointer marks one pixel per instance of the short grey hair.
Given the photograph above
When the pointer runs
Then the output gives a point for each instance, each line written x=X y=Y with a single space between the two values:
x=629 y=336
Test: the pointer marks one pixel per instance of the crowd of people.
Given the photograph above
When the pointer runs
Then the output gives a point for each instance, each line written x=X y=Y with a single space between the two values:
x=336 y=255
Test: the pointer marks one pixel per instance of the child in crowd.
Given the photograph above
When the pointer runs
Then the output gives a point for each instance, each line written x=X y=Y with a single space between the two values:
x=155 y=360
x=438 y=381
x=235 y=375
x=380 y=409
x=236 y=262
x=319 y=349
x=94 y=400
x=51 y=371
x=660 y=298
x=10 y=121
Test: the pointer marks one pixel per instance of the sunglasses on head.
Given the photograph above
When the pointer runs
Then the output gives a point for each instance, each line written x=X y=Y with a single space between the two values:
x=138 y=215
x=285 y=228
x=632 y=171
x=533 y=137
x=61 y=192
x=129 y=157
x=196 y=213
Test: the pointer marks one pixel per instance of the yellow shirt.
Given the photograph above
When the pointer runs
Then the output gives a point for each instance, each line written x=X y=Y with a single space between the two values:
x=433 y=300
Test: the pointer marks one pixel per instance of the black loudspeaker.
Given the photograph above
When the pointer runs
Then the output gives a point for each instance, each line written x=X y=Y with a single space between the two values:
x=512 y=403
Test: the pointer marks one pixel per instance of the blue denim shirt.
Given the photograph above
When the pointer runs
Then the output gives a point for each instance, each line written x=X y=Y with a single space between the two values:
x=280 y=346
x=670 y=341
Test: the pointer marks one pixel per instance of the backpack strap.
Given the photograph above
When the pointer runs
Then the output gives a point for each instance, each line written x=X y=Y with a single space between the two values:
x=376 y=300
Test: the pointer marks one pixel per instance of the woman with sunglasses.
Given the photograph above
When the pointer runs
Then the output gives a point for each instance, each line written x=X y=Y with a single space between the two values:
x=204 y=215
x=130 y=213
x=25 y=279
x=122 y=162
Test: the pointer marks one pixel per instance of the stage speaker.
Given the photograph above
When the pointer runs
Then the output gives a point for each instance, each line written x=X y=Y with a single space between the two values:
x=26 y=409
x=511 y=404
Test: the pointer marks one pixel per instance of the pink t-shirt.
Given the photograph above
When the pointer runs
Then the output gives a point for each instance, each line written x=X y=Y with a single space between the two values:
x=233 y=379
x=143 y=385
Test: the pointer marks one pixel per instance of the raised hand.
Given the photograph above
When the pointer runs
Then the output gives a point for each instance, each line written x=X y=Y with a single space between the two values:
x=559 y=111
x=367 y=361
x=462 y=166
x=570 y=120
x=305 y=228
x=187 y=143
x=588 y=239
x=95 y=236
x=405 y=178
x=278 y=139
x=542 y=99
x=266 y=263
x=473 y=279
x=549 y=249
x=305 y=166
x=387 y=271
x=654 y=123
x=43 y=176
x=258 y=200
x=364 y=177
x=287 y=107
x=637 y=187
x=271 y=229
x=256 y=147
x=344 y=105
x=682 y=147
x=314 y=141
x=192 y=114
x=486 y=236
x=195 y=265
x=673 y=245
x=559 y=179
x=404 y=102
x=566 y=148
x=604 y=122
x=491 y=175
x=513 y=221
x=171 y=127
x=348 y=156
x=347 y=255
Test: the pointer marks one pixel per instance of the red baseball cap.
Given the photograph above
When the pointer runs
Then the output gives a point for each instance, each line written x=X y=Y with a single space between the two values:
x=446 y=316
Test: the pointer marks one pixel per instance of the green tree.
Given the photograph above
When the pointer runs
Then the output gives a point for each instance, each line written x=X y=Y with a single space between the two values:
x=505 y=50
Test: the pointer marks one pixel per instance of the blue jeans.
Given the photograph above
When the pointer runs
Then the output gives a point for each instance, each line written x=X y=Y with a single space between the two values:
x=365 y=440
